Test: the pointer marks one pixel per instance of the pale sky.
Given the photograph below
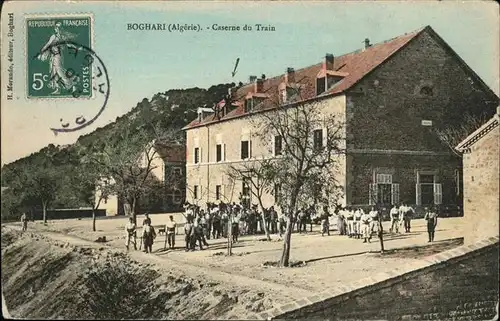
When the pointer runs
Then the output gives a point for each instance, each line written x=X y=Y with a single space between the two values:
x=142 y=63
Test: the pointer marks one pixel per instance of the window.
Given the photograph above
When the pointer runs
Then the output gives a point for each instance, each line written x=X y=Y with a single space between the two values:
x=196 y=155
x=428 y=191
x=277 y=145
x=283 y=96
x=245 y=149
x=195 y=192
x=248 y=105
x=320 y=86
x=426 y=91
x=218 y=189
x=383 y=191
x=318 y=139
x=218 y=152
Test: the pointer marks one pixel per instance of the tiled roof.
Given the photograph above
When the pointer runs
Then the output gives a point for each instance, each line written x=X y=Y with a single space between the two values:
x=480 y=132
x=352 y=66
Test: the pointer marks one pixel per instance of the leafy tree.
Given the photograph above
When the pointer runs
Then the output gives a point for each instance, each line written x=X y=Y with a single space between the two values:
x=307 y=156
x=38 y=181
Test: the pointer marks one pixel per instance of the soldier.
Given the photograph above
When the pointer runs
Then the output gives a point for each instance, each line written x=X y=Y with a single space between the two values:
x=130 y=234
x=24 y=222
x=364 y=222
x=350 y=222
x=146 y=220
x=394 y=214
x=170 y=231
x=188 y=232
x=340 y=221
x=216 y=227
x=374 y=220
x=431 y=218
x=148 y=236
x=407 y=215
x=357 y=222
x=235 y=223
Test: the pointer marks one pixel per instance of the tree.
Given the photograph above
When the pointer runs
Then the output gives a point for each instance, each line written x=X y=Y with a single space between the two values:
x=128 y=160
x=90 y=183
x=312 y=142
x=38 y=181
x=452 y=136
x=259 y=174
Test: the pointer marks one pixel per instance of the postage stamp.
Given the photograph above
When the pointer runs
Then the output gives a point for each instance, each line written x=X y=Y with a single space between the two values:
x=53 y=68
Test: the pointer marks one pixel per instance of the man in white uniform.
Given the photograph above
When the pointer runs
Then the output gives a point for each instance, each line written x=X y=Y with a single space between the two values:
x=394 y=214
x=364 y=222
x=130 y=234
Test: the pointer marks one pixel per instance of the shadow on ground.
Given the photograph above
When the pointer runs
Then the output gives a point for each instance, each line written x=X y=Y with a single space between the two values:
x=423 y=251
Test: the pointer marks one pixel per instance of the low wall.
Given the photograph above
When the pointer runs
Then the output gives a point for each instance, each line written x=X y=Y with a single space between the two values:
x=59 y=214
x=460 y=284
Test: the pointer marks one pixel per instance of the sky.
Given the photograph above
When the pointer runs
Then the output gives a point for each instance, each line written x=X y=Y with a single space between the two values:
x=142 y=63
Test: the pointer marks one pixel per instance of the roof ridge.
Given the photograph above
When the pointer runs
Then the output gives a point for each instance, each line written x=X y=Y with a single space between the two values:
x=414 y=33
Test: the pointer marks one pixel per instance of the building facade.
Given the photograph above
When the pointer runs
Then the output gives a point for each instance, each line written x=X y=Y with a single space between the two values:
x=481 y=177
x=169 y=170
x=394 y=96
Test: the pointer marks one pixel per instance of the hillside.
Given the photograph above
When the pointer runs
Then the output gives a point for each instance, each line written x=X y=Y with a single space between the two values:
x=172 y=109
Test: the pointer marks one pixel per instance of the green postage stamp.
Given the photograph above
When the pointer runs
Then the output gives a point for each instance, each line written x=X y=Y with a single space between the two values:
x=54 y=69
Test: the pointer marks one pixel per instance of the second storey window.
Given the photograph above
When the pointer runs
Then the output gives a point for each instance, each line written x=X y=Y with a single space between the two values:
x=318 y=138
x=277 y=145
x=196 y=155
x=218 y=189
x=218 y=153
x=245 y=149
x=195 y=192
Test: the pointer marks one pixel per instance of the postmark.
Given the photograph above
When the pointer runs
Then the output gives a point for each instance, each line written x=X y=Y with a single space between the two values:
x=61 y=65
x=48 y=59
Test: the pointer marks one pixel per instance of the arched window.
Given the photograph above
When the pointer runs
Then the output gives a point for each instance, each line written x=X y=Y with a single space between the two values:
x=426 y=91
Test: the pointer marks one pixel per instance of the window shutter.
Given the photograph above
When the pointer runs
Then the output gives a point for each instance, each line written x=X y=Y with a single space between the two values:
x=223 y=152
x=200 y=159
x=438 y=194
x=194 y=155
x=325 y=137
x=418 y=197
x=249 y=148
x=373 y=192
x=394 y=193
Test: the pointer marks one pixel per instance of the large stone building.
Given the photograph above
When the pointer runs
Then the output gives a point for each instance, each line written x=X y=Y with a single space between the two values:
x=169 y=169
x=481 y=179
x=393 y=97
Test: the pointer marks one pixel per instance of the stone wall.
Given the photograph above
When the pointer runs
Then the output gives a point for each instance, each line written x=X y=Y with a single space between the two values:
x=481 y=187
x=460 y=284
x=386 y=108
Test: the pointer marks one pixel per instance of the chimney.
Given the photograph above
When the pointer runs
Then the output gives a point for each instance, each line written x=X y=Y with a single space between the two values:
x=259 y=85
x=252 y=79
x=290 y=75
x=329 y=60
x=367 y=43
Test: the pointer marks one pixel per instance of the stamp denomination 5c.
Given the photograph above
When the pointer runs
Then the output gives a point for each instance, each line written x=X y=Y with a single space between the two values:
x=54 y=70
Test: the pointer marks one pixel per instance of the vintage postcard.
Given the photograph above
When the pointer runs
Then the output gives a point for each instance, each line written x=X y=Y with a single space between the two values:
x=250 y=160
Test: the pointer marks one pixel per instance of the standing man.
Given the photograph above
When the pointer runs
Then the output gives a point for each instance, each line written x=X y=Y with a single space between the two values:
x=350 y=222
x=24 y=222
x=394 y=214
x=409 y=212
x=148 y=236
x=357 y=222
x=340 y=221
x=146 y=220
x=188 y=232
x=130 y=234
x=431 y=218
x=374 y=220
x=235 y=223
x=171 y=226
x=365 y=221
